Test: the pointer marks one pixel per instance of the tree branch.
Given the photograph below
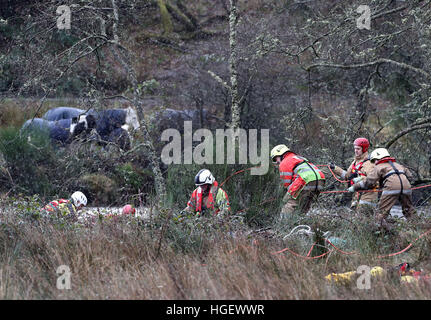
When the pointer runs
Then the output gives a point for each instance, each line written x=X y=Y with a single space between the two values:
x=372 y=63
x=408 y=130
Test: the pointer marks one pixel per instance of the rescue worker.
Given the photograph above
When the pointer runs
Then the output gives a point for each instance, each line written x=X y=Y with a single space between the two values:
x=66 y=207
x=302 y=179
x=363 y=202
x=208 y=197
x=393 y=179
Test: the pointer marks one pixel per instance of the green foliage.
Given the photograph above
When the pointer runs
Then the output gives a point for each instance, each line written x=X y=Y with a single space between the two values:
x=131 y=177
x=149 y=86
x=190 y=236
x=27 y=207
x=38 y=167
x=257 y=197
x=99 y=187
x=28 y=161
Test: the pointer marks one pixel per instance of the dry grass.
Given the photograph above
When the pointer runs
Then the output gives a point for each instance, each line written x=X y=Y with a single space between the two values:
x=120 y=259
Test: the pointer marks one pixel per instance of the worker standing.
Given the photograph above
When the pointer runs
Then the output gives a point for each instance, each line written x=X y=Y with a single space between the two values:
x=363 y=202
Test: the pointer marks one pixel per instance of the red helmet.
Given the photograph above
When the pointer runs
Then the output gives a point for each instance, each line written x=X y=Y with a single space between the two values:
x=362 y=142
x=128 y=209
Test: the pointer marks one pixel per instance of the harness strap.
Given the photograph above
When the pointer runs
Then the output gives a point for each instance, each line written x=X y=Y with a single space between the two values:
x=398 y=175
x=315 y=174
x=314 y=171
x=299 y=163
x=395 y=171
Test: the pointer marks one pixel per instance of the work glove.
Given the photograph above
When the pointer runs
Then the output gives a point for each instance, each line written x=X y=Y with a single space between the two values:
x=332 y=166
x=180 y=216
x=351 y=189
x=357 y=179
x=222 y=215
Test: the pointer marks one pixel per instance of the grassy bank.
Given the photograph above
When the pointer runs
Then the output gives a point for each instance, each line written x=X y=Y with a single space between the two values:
x=197 y=259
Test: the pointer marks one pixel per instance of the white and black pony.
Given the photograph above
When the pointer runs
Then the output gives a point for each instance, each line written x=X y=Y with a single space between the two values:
x=111 y=125
x=61 y=132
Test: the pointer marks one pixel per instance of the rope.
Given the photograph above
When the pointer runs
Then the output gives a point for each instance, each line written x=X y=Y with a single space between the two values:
x=344 y=191
x=332 y=172
x=406 y=248
x=305 y=230
x=323 y=192
x=237 y=172
x=352 y=252
x=339 y=250
x=301 y=256
x=308 y=231
x=331 y=191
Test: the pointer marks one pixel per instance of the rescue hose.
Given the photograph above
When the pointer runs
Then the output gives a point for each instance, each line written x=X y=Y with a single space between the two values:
x=344 y=191
x=332 y=172
x=235 y=173
x=331 y=191
x=323 y=192
x=352 y=252
x=307 y=257
x=336 y=191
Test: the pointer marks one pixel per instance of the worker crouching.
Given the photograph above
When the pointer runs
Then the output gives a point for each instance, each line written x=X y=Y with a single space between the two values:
x=66 y=208
x=302 y=179
x=393 y=179
x=208 y=198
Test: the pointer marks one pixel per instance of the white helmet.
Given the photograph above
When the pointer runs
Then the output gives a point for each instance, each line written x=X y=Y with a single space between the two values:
x=79 y=198
x=204 y=176
x=278 y=151
x=378 y=154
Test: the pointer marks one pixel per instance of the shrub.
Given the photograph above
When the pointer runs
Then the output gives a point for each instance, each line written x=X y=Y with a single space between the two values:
x=28 y=160
x=99 y=187
x=257 y=197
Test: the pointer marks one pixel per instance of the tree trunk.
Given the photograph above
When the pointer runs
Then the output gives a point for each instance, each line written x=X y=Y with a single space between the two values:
x=182 y=16
x=166 y=17
x=233 y=61
x=154 y=159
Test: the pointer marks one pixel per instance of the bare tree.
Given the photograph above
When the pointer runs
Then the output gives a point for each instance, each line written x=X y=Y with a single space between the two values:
x=125 y=62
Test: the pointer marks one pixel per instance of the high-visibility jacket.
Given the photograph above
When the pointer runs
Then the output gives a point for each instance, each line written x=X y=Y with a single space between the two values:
x=216 y=201
x=61 y=207
x=296 y=172
x=360 y=167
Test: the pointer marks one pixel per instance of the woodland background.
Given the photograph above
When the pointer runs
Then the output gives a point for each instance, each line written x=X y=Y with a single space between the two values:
x=302 y=69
